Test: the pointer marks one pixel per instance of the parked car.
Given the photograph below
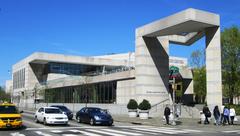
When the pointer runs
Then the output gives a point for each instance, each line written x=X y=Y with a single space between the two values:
x=94 y=116
x=65 y=110
x=50 y=115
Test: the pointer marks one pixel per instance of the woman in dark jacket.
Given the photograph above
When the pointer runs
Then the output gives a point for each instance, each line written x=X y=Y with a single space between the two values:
x=216 y=114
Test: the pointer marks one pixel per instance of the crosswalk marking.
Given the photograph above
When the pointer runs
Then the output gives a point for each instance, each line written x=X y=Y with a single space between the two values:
x=168 y=130
x=190 y=130
x=122 y=132
x=106 y=133
x=42 y=134
x=84 y=132
x=17 y=134
x=232 y=131
x=137 y=131
x=56 y=131
x=159 y=131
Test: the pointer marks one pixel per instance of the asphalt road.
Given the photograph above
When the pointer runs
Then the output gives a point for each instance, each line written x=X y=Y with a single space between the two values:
x=119 y=129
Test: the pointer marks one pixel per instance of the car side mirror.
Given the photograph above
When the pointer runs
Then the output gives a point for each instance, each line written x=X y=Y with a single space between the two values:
x=64 y=112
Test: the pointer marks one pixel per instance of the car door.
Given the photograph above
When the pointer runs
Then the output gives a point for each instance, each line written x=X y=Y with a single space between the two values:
x=39 y=114
x=83 y=114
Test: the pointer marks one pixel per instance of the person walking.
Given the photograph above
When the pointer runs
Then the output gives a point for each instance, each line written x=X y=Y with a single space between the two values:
x=232 y=115
x=222 y=116
x=167 y=112
x=216 y=114
x=207 y=114
x=226 y=115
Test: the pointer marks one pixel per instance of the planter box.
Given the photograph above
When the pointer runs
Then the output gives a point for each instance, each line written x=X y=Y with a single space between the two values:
x=132 y=113
x=143 y=114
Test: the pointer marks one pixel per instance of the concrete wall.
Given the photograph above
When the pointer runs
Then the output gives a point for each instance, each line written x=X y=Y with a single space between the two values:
x=125 y=91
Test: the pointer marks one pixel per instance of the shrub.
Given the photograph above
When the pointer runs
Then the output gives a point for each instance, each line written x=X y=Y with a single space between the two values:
x=144 y=105
x=132 y=104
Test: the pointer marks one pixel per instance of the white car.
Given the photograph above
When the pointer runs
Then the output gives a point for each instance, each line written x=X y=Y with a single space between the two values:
x=50 y=115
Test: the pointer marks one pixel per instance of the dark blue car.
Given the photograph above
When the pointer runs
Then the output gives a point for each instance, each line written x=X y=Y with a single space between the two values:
x=66 y=110
x=94 y=116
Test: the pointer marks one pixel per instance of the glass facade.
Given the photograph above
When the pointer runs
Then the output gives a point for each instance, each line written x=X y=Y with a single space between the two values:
x=104 y=92
x=71 y=69
x=19 y=79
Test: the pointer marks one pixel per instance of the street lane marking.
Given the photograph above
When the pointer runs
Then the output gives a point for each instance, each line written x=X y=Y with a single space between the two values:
x=159 y=131
x=85 y=133
x=42 y=134
x=190 y=130
x=231 y=131
x=168 y=130
x=106 y=133
x=56 y=131
x=17 y=134
x=121 y=132
x=69 y=135
x=56 y=128
x=137 y=131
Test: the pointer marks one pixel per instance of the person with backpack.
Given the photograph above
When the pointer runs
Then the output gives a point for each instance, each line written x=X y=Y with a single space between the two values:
x=167 y=112
x=207 y=114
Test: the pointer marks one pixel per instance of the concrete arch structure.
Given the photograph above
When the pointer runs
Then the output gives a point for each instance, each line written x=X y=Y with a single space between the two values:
x=152 y=53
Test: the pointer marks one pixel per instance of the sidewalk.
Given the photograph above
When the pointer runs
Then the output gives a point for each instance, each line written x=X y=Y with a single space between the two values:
x=185 y=123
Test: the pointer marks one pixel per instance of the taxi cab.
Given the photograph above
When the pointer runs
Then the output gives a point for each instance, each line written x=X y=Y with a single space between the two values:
x=9 y=116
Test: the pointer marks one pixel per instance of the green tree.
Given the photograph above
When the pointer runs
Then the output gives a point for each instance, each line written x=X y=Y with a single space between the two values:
x=4 y=96
x=230 y=40
x=197 y=61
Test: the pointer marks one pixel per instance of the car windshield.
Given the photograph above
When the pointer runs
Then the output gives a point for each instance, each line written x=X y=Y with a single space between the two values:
x=8 y=110
x=52 y=111
x=96 y=110
x=62 y=108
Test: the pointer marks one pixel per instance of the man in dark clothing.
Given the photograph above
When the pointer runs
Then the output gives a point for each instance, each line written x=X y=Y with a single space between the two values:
x=207 y=114
x=166 y=114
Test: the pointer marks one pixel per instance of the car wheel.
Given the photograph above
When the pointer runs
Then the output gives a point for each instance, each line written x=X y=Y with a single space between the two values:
x=79 y=119
x=44 y=121
x=110 y=124
x=36 y=120
x=92 y=122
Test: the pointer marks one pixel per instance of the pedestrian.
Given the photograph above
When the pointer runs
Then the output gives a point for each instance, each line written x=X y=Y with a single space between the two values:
x=232 y=114
x=207 y=114
x=222 y=116
x=216 y=114
x=226 y=115
x=166 y=114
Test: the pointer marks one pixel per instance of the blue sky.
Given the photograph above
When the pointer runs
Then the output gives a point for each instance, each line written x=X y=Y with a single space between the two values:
x=90 y=27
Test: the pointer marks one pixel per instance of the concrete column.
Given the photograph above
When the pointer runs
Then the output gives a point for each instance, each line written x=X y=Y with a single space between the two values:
x=213 y=67
x=152 y=68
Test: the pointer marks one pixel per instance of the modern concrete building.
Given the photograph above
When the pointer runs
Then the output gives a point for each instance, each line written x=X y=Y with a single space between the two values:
x=75 y=79
x=114 y=79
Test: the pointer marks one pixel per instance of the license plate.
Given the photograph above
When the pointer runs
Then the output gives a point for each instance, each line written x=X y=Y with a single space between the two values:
x=8 y=125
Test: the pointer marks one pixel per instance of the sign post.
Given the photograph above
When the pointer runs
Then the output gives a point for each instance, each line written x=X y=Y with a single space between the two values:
x=174 y=72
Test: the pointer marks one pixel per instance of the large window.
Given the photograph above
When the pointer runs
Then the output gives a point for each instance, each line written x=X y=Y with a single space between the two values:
x=19 y=79
x=104 y=92
x=71 y=69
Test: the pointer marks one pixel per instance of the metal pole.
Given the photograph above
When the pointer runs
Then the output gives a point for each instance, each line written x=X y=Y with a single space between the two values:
x=174 y=123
